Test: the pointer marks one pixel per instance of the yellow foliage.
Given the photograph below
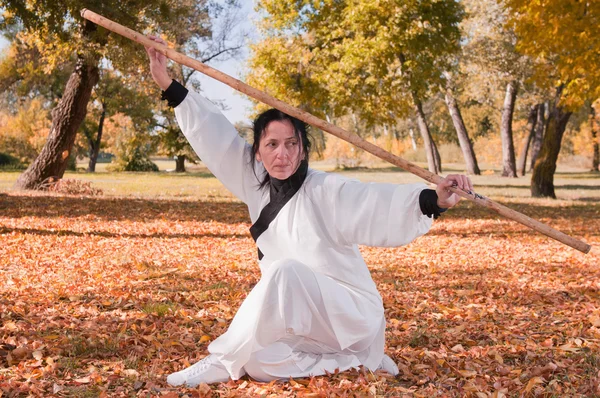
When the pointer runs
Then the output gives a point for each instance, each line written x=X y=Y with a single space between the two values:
x=347 y=155
x=576 y=148
x=53 y=51
x=580 y=142
x=565 y=34
x=114 y=127
x=24 y=134
x=489 y=149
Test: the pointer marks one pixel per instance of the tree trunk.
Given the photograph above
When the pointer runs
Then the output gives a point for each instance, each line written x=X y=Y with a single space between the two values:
x=596 y=156
x=95 y=145
x=540 y=127
x=430 y=150
x=318 y=140
x=526 y=142
x=180 y=164
x=509 y=168
x=436 y=156
x=466 y=145
x=412 y=139
x=66 y=119
x=542 y=179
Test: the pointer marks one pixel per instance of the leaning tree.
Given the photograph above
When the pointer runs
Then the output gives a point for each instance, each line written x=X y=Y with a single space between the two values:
x=89 y=47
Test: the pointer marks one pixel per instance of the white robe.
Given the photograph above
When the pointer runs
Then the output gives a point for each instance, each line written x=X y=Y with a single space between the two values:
x=320 y=227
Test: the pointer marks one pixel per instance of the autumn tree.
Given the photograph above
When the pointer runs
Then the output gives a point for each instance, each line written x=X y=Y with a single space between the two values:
x=87 y=45
x=509 y=168
x=115 y=94
x=295 y=76
x=531 y=125
x=23 y=73
x=131 y=149
x=208 y=37
x=26 y=76
x=28 y=93
x=377 y=60
x=491 y=61
x=53 y=21
x=487 y=61
x=565 y=35
x=466 y=145
x=538 y=135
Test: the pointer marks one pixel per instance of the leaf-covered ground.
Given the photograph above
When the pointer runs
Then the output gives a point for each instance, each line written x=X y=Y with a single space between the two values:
x=105 y=296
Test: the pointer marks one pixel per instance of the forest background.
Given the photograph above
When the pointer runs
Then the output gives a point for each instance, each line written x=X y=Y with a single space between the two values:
x=475 y=83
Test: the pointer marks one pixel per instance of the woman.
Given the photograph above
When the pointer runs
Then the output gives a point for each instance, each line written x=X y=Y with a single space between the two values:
x=316 y=308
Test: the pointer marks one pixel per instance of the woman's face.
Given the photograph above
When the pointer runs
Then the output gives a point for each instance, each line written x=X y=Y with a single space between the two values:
x=279 y=149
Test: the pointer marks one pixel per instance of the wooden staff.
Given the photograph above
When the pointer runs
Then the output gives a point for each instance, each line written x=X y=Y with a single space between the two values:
x=332 y=129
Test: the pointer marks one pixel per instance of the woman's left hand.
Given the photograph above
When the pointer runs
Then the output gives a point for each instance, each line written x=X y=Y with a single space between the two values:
x=447 y=199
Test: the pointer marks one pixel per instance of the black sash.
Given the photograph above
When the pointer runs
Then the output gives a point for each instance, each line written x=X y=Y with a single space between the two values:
x=281 y=191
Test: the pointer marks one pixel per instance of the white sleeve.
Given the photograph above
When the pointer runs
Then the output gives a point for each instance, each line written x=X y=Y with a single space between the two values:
x=375 y=214
x=217 y=143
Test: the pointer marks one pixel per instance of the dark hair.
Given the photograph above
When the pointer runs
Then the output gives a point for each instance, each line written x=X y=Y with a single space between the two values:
x=260 y=124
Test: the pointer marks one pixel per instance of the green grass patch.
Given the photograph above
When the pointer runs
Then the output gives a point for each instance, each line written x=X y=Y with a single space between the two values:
x=82 y=347
x=82 y=392
x=131 y=362
x=199 y=184
x=159 y=309
x=419 y=338
x=68 y=363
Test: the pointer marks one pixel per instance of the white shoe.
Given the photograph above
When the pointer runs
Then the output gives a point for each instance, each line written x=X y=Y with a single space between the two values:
x=208 y=370
x=388 y=365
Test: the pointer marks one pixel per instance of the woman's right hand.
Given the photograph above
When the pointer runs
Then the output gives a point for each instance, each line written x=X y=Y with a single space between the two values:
x=158 y=64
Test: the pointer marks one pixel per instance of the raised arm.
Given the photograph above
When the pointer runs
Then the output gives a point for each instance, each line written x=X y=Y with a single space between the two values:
x=211 y=135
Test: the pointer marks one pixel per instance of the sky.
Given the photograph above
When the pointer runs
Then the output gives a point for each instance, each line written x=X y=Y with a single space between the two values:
x=238 y=104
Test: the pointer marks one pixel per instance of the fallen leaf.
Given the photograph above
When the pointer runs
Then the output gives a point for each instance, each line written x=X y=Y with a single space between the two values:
x=468 y=373
x=11 y=326
x=38 y=354
x=204 y=390
x=532 y=383
x=131 y=372
x=56 y=388
x=205 y=338
x=457 y=329
x=569 y=347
